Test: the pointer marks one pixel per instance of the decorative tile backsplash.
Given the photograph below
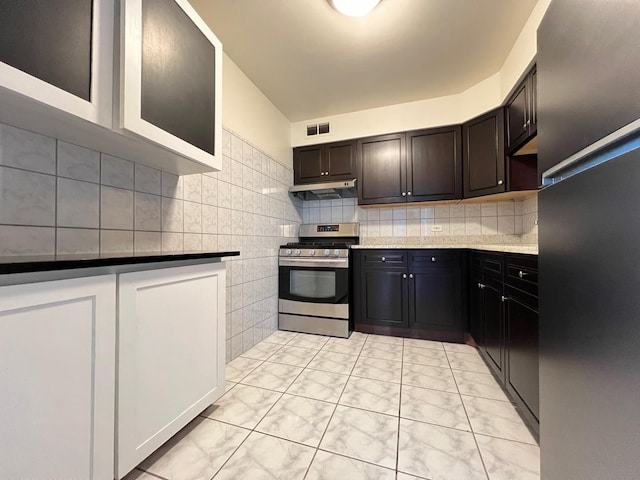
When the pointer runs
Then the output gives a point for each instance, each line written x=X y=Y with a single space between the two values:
x=514 y=217
x=61 y=198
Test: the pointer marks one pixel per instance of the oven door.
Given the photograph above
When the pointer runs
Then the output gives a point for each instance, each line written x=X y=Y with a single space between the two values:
x=316 y=287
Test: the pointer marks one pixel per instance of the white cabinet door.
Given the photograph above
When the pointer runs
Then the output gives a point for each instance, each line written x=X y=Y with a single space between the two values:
x=170 y=354
x=44 y=59
x=57 y=355
x=171 y=78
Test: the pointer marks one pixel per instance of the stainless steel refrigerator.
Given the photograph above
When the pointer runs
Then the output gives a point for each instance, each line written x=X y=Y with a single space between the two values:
x=589 y=237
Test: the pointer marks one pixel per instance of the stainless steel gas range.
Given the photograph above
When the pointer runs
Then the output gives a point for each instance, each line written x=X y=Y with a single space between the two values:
x=315 y=280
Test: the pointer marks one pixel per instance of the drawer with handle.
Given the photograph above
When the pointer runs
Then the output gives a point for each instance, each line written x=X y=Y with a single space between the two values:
x=391 y=257
x=522 y=273
x=424 y=258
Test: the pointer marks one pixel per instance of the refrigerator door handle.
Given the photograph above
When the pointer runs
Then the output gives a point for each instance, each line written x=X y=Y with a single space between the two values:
x=626 y=138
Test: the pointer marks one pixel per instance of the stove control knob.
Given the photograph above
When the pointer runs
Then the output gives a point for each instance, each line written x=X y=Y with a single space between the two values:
x=312 y=252
x=289 y=252
x=336 y=253
x=327 y=252
x=297 y=252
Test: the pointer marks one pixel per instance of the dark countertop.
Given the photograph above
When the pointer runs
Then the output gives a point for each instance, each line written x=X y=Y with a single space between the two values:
x=46 y=263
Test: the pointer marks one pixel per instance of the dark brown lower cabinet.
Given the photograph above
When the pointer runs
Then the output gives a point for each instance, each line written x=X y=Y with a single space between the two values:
x=493 y=325
x=442 y=294
x=383 y=296
x=476 y=317
x=521 y=314
x=422 y=299
x=434 y=298
x=504 y=324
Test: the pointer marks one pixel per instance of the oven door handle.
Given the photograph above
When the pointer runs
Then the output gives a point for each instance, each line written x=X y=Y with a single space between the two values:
x=314 y=262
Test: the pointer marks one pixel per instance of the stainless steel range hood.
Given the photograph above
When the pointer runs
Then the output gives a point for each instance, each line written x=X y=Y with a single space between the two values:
x=325 y=191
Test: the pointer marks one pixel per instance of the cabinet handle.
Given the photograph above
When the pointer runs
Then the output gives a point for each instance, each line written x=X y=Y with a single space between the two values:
x=404 y=275
x=409 y=193
x=322 y=174
x=522 y=274
x=480 y=286
x=433 y=259
x=404 y=194
x=528 y=123
x=326 y=173
x=503 y=298
x=411 y=275
x=500 y=182
x=384 y=259
x=524 y=125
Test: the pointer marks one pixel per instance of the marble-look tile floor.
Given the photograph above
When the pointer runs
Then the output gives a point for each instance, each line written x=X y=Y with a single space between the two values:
x=308 y=407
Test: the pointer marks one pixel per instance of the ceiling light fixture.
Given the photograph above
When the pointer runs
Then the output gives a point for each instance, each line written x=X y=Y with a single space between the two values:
x=354 y=8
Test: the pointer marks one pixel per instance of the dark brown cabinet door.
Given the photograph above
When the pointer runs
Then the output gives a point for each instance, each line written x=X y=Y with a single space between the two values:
x=517 y=113
x=484 y=158
x=435 y=300
x=324 y=163
x=493 y=325
x=434 y=164
x=521 y=115
x=307 y=164
x=383 y=296
x=476 y=319
x=339 y=161
x=382 y=169
x=533 y=102
x=522 y=350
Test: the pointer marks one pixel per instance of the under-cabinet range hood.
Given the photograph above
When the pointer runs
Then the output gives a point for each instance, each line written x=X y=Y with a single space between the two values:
x=325 y=191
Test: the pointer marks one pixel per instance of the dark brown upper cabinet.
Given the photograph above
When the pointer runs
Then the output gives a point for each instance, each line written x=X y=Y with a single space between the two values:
x=323 y=163
x=415 y=166
x=520 y=114
x=484 y=155
x=382 y=169
x=434 y=164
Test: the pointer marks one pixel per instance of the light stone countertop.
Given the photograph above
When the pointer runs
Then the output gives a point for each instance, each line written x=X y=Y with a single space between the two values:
x=530 y=249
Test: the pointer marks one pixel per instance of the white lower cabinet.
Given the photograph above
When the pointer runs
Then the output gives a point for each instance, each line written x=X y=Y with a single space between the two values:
x=57 y=357
x=170 y=354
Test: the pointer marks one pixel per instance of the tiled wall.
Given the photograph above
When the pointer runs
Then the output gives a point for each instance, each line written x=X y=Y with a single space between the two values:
x=515 y=217
x=57 y=197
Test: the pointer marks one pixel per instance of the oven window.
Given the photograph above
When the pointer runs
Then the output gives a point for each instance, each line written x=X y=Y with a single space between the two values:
x=312 y=284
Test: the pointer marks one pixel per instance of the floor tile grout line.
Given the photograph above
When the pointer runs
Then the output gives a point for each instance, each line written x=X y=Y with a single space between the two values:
x=399 y=411
x=368 y=462
x=475 y=440
x=478 y=434
x=330 y=418
x=252 y=430
x=148 y=473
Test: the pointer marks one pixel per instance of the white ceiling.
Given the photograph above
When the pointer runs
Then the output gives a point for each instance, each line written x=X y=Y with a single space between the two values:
x=311 y=61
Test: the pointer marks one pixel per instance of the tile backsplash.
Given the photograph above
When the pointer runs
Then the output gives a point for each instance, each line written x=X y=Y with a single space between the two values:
x=513 y=217
x=61 y=198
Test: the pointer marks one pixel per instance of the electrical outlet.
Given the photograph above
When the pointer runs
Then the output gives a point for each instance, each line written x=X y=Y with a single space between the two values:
x=436 y=228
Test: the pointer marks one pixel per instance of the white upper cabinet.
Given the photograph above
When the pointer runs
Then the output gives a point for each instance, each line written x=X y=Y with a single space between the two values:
x=59 y=53
x=170 y=78
x=137 y=79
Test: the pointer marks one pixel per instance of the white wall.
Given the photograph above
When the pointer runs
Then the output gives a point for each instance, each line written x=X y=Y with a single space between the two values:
x=249 y=113
x=458 y=108
x=405 y=116
x=523 y=52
